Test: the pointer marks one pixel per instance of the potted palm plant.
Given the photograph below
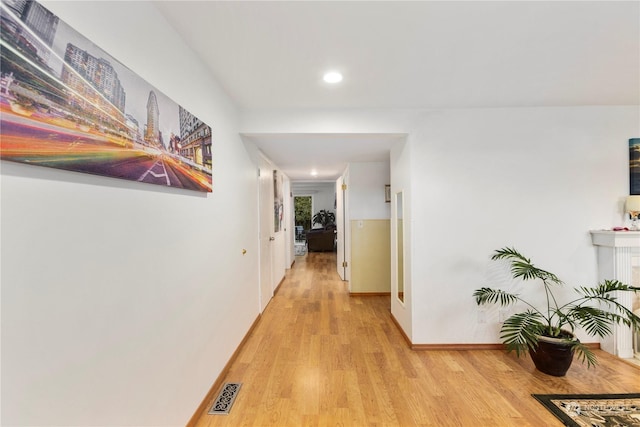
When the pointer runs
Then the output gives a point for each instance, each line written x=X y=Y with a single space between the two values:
x=324 y=217
x=547 y=333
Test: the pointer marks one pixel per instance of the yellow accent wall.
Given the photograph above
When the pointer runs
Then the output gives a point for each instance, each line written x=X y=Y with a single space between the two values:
x=370 y=256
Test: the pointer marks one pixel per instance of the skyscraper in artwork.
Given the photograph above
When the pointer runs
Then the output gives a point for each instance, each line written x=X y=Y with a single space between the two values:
x=41 y=21
x=195 y=139
x=98 y=72
x=152 y=130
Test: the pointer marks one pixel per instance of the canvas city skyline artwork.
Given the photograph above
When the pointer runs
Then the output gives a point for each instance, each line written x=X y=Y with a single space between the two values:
x=67 y=104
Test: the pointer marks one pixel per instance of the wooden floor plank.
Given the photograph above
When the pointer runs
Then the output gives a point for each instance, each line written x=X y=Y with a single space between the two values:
x=319 y=357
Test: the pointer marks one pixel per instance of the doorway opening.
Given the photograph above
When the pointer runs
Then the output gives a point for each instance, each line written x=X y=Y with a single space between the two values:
x=302 y=215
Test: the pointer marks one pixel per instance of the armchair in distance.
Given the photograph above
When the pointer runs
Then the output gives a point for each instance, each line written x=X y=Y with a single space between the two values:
x=322 y=239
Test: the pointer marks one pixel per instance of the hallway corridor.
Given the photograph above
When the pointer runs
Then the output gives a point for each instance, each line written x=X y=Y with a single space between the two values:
x=319 y=357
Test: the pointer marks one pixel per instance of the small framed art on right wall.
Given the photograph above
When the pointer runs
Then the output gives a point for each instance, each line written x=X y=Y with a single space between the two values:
x=634 y=166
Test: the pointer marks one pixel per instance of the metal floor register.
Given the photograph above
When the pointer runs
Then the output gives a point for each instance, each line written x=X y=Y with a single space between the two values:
x=227 y=396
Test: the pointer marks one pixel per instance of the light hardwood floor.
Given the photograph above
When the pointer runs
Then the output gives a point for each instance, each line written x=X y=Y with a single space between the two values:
x=319 y=357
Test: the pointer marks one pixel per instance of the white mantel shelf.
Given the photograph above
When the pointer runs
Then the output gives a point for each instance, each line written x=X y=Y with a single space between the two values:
x=615 y=239
x=618 y=252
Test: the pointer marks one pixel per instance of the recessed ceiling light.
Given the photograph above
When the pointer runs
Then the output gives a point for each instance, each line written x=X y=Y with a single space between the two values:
x=332 y=77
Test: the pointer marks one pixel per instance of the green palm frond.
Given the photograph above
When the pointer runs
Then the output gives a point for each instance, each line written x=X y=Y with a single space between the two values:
x=521 y=266
x=494 y=296
x=594 y=320
x=606 y=287
x=520 y=331
x=584 y=354
x=620 y=314
x=602 y=294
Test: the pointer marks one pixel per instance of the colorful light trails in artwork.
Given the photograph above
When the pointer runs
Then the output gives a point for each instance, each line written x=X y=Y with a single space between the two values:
x=66 y=122
x=44 y=72
x=30 y=141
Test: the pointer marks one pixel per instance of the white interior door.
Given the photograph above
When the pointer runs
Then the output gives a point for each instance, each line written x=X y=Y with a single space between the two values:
x=346 y=228
x=340 y=228
x=266 y=233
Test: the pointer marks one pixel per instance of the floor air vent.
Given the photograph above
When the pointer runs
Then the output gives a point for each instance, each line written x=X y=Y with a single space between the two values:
x=225 y=399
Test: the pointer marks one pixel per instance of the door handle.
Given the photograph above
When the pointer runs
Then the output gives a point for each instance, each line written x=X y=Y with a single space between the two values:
x=271 y=239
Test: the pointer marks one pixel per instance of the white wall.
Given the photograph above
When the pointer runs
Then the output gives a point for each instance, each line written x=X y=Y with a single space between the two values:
x=325 y=199
x=366 y=207
x=366 y=189
x=283 y=245
x=122 y=302
x=400 y=167
x=289 y=223
x=537 y=179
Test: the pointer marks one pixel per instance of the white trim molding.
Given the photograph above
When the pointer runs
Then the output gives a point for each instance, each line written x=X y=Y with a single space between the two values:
x=616 y=253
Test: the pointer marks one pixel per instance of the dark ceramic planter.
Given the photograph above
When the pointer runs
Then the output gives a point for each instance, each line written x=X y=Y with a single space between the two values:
x=553 y=356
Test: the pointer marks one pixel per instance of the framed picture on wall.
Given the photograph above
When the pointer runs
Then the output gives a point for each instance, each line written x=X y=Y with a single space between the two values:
x=67 y=104
x=634 y=166
x=278 y=201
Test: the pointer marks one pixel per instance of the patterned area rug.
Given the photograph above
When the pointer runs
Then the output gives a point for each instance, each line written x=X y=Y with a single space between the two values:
x=594 y=410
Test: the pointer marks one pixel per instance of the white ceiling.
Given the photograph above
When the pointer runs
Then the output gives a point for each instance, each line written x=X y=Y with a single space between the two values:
x=299 y=154
x=417 y=54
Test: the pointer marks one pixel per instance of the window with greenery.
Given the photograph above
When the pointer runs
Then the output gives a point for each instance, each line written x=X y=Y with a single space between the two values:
x=302 y=207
